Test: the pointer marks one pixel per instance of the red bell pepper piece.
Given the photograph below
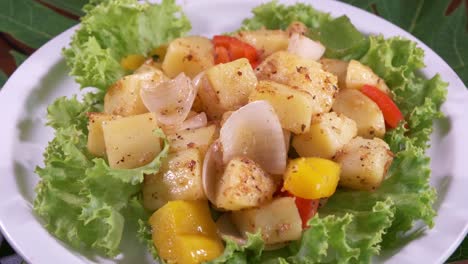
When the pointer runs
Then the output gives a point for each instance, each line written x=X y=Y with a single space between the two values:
x=390 y=111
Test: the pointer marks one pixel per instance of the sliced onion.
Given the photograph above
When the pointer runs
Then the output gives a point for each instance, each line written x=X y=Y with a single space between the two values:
x=212 y=169
x=254 y=130
x=194 y=122
x=305 y=47
x=171 y=100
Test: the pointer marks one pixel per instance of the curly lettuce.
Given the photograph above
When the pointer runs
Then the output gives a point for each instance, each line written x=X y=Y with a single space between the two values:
x=355 y=225
x=114 y=29
x=79 y=197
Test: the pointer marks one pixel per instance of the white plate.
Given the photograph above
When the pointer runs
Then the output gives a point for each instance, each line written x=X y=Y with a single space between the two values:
x=43 y=77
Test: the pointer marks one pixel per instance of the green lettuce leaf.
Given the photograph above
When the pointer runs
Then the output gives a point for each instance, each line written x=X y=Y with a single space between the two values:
x=272 y=15
x=79 y=197
x=104 y=38
x=248 y=253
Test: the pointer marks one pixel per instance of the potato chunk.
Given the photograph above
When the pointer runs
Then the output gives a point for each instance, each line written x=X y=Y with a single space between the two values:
x=123 y=97
x=232 y=83
x=289 y=69
x=294 y=107
x=367 y=115
x=243 y=185
x=190 y=55
x=364 y=163
x=200 y=138
x=279 y=221
x=338 y=68
x=266 y=42
x=359 y=74
x=131 y=141
x=178 y=179
x=328 y=133
x=96 y=144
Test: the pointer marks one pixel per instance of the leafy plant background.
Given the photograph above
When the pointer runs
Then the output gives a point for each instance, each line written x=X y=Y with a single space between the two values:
x=25 y=25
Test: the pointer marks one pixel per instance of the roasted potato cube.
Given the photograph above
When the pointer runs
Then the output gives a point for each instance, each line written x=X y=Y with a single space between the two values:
x=96 y=144
x=200 y=138
x=367 y=115
x=364 y=163
x=179 y=179
x=131 y=141
x=279 y=221
x=232 y=83
x=328 y=133
x=123 y=97
x=266 y=42
x=243 y=185
x=338 y=68
x=298 y=28
x=190 y=55
x=289 y=69
x=294 y=107
x=359 y=74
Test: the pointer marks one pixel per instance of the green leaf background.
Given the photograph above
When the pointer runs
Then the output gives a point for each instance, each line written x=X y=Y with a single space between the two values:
x=33 y=23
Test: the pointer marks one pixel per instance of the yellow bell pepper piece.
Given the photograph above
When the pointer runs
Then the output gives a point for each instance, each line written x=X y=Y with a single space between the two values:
x=132 y=62
x=312 y=178
x=184 y=232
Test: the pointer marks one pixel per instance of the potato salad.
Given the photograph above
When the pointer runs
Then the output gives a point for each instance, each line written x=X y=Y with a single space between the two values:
x=262 y=129
x=294 y=139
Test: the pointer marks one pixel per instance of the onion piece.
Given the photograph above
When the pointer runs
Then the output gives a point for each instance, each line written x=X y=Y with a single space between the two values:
x=193 y=121
x=254 y=130
x=197 y=121
x=212 y=170
x=305 y=47
x=171 y=100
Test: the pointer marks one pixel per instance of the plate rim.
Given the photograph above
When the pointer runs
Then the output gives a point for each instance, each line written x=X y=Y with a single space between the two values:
x=8 y=91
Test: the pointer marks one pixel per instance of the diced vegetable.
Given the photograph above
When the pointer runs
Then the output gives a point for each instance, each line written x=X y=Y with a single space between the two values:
x=266 y=42
x=278 y=221
x=289 y=69
x=294 y=107
x=338 y=68
x=221 y=55
x=311 y=178
x=297 y=27
x=236 y=49
x=390 y=111
x=96 y=144
x=132 y=62
x=183 y=232
x=131 y=141
x=190 y=55
x=171 y=100
x=359 y=74
x=305 y=47
x=328 y=133
x=179 y=179
x=367 y=115
x=307 y=209
x=364 y=163
x=200 y=138
x=232 y=83
x=243 y=185
x=255 y=131
x=123 y=97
